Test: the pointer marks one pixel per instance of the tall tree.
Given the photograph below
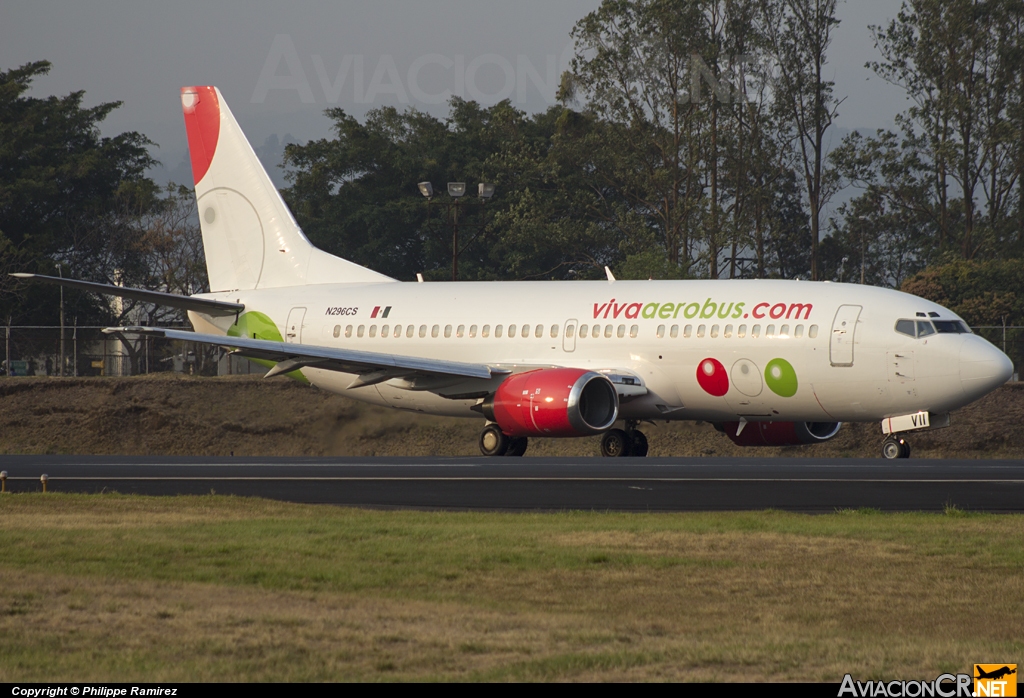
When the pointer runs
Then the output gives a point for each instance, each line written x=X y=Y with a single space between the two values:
x=800 y=35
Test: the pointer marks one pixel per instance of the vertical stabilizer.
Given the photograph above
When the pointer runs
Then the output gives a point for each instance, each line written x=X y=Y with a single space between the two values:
x=250 y=237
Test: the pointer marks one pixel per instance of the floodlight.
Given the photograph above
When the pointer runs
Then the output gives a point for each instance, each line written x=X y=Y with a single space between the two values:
x=426 y=188
x=456 y=189
x=485 y=190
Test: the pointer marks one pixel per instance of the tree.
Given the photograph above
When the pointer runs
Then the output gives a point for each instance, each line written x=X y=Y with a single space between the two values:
x=800 y=35
x=62 y=186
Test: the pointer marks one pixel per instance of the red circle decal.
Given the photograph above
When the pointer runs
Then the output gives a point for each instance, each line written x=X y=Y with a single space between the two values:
x=712 y=378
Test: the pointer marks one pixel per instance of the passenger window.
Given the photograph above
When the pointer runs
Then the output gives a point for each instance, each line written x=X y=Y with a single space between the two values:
x=539 y=331
x=511 y=330
x=486 y=331
x=673 y=331
x=621 y=332
x=373 y=331
x=409 y=331
x=384 y=330
x=728 y=331
x=700 y=331
x=472 y=331
x=423 y=330
x=798 y=332
x=583 y=331
x=460 y=331
x=687 y=331
x=714 y=331
x=398 y=331
x=924 y=328
x=498 y=330
x=526 y=332
x=435 y=330
x=741 y=331
x=554 y=331
x=359 y=331
x=755 y=331
x=633 y=330
x=784 y=331
x=447 y=331
x=812 y=331
x=661 y=331
x=570 y=330
x=907 y=327
x=608 y=331
x=337 y=330
x=769 y=331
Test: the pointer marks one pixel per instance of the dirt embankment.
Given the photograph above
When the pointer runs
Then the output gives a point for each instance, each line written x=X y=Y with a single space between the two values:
x=177 y=415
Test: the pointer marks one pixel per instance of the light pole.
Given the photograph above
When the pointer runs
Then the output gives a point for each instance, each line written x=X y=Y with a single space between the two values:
x=456 y=190
x=61 y=274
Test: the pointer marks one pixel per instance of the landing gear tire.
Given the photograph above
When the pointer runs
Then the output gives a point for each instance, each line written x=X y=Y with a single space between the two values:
x=615 y=444
x=639 y=444
x=517 y=446
x=493 y=441
x=893 y=448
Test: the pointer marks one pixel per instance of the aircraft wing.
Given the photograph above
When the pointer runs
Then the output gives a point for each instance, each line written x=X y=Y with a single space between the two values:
x=202 y=305
x=372 y=367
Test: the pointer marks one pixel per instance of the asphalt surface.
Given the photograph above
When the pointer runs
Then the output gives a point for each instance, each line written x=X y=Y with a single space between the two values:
x=626 y=484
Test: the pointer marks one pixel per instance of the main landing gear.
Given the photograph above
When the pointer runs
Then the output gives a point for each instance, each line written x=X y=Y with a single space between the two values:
x=494 y=442
x=618 y=443
x=895 y=447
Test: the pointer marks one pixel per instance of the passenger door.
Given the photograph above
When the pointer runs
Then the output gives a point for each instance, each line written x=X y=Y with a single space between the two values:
x=293 y=330
x=844 y=327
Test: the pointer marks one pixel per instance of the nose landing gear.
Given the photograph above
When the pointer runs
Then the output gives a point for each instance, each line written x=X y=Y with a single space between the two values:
x=895 y=447
x=617 y=443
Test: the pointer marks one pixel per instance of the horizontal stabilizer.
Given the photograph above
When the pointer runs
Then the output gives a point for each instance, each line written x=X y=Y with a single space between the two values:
x=171 y=300
x=294 y=356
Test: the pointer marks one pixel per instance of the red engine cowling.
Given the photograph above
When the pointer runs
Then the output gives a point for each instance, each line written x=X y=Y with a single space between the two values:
x=554 y=402
x=780 y=433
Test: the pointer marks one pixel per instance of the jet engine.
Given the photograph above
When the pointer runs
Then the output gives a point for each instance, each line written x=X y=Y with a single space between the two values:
x=553 y=402
x=780 y=433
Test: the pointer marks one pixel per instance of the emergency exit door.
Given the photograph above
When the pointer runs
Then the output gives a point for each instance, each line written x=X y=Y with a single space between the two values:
x=293 y=330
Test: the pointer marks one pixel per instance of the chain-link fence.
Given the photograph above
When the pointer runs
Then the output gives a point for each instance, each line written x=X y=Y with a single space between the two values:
x=37 y=350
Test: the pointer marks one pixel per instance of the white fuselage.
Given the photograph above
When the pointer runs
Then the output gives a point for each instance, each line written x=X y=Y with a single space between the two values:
x=660 y=331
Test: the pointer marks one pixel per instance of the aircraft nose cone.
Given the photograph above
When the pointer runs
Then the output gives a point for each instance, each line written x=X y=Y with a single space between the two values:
x=983 y=368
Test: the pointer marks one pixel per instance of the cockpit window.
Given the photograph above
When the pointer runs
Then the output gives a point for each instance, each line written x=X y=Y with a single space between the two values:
x=951 y=327
x=906 y=327
x=924 y=328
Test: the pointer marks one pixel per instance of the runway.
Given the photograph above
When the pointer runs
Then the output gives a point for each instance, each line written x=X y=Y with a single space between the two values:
x=627 y=484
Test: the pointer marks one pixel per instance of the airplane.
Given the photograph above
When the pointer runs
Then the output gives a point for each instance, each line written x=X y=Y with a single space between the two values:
x=768 y=362
x=995 y=674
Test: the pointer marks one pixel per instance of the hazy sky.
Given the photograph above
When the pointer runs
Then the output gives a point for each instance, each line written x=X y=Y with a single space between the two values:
x=281 y=64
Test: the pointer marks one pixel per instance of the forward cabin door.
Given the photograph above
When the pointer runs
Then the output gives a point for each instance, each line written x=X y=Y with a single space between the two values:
x=843 y=328
x=569 y=336
x=293 y=330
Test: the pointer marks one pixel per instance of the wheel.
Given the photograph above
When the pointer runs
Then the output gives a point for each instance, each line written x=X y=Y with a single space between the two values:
x=493 y=441
x=517 y=446
x=893 y=448
x=615 y=444
x=639 y=444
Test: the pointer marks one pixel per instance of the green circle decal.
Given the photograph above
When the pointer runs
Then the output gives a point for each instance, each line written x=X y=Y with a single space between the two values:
x=780 y=377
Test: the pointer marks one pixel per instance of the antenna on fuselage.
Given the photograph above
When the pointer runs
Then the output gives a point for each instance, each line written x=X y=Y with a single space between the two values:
x=611 y=276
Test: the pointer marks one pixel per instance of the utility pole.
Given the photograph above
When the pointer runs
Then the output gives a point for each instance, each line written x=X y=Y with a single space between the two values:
x=75 y=338
x=456 y=190
x=62 y=354
x=7 y=369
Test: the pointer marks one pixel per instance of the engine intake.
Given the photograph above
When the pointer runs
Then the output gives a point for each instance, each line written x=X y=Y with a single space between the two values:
x=780 y=433
x=553 y=402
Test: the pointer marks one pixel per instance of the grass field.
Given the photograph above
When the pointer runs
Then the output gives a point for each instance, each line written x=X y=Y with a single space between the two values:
x=117 y=588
